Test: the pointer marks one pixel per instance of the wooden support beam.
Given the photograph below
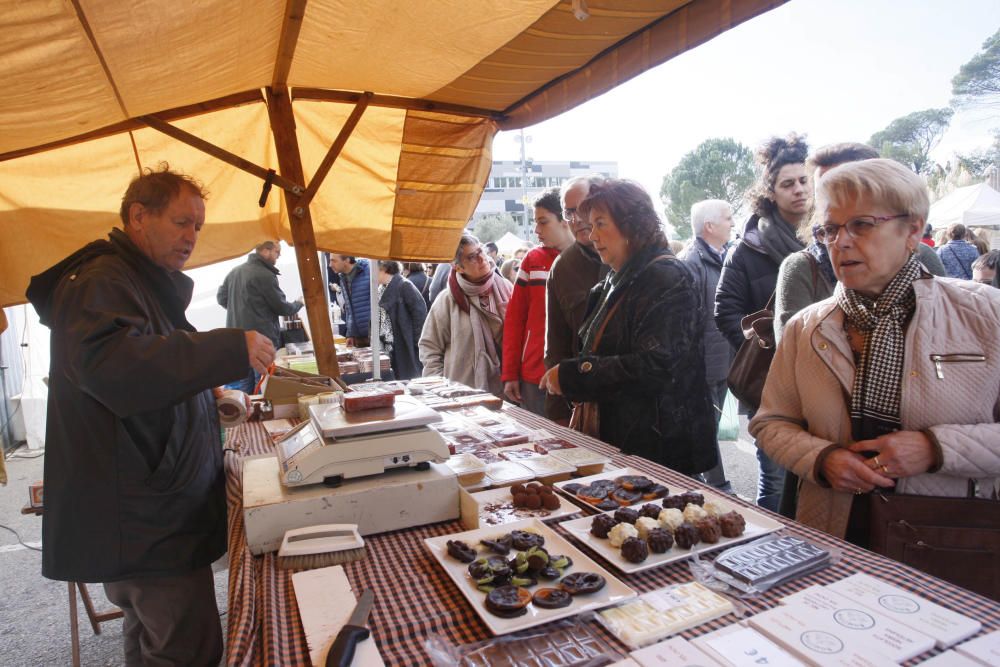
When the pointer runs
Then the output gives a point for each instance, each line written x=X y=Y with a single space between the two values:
x=220 y=153
x=332 y=154
x=279 y=110
x=393 y=102
x=295 y=11
x=186 y=111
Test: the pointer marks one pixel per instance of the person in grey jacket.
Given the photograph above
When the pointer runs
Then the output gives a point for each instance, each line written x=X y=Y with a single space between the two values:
x=712 y=222
x=254 y=301
x=406 y=310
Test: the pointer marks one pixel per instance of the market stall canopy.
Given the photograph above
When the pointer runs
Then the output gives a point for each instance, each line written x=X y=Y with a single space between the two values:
x=86 y=79
x=973 y=206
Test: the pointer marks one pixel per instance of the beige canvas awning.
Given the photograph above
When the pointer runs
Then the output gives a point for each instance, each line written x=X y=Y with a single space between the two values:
x=84 y=79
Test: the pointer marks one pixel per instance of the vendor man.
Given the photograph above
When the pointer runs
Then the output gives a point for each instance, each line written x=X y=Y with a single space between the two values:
x=134 y=486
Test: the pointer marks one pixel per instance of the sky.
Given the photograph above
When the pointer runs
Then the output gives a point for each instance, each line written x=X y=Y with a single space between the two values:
x=836 y=70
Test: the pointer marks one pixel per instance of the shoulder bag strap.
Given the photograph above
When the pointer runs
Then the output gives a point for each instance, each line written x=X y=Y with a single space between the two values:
x=607 y=318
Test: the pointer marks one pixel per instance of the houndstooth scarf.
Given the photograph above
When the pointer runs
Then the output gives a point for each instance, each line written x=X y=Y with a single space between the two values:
x=875 y=398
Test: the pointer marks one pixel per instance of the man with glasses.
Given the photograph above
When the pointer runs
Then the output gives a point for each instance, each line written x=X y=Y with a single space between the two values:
x=574 y=272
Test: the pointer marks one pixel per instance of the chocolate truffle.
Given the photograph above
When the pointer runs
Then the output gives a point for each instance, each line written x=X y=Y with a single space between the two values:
x=621 y=532
x=644 y=524
x=693 y=497
x=634 y=550
x=674 y=502
x=601 y=524
x=694 y=513
x=652 y=510
x=709 y=530
x=686 y=535
x=660 y=540
x=626 y=515
x=671 y=518
x=732 y=524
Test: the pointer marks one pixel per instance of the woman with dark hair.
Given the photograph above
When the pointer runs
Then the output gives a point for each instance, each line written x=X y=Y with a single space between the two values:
x=417 y=274
x=642 y=352
x=780 y=201
x=524 y=326
x=406 y=311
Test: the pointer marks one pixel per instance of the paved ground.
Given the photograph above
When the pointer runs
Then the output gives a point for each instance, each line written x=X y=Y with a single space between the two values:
x=34 y=618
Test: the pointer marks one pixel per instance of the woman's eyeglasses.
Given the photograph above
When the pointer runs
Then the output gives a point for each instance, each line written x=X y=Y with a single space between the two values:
x=857 y=228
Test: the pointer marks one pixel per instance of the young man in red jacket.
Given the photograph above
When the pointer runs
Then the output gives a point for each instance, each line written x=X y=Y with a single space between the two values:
x=524 y=326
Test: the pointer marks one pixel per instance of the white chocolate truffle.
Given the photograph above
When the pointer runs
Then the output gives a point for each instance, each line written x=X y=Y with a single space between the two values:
x=671 y=518
x=694 y=513
x=620 y=533
x=644 y=524
x=713 y=508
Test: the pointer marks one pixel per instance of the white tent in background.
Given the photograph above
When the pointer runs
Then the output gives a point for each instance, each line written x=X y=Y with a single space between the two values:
x=510 y=242
x=973 y=206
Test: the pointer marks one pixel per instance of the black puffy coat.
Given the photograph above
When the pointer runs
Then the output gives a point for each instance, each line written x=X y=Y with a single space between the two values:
x=748 y=279
x=134 y=483
x=407 y=311
x=648 y=373
x=707 y=267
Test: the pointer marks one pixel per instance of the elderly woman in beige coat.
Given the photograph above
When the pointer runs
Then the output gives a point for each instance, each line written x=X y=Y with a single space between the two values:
x=894 y=381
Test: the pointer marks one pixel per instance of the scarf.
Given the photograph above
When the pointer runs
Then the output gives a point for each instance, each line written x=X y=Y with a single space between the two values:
x=822 y=256
x=485 y=301
x=875 y=396
x=778 y=237
x=615 y=281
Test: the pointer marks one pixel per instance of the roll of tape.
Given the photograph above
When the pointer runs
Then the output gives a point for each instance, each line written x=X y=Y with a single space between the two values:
x=330 y=397
x=232 y=408
x=305 y=402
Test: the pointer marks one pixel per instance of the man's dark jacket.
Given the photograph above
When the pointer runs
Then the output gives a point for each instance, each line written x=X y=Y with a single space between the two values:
x=749 y=276
x=253 y=300
x=706 y=265
x=134 y=480
x=357 y=299
x=648 y=374
x=407 y=311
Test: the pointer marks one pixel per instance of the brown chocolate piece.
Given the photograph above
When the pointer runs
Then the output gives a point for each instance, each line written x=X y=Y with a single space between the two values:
x=675 y=502
x=523 y=540
x=660 y=540
x=461 y=551
x=551 y=598
x=368 y=400
x=652 y=510
x=582 y=583
x=601 y=524
x=572 y=488
x=607 y=505
x=625 y=497
x=655 y=491
x=508 y=601
x=501 y=545
x=634 y=482
x=686 y=535
x=626 y=515
x=635 y=550
x=732 y=524
x=709 y=530
x=694 y=498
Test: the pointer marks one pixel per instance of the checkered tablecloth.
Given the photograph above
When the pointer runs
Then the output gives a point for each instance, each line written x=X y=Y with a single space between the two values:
x=414 y=598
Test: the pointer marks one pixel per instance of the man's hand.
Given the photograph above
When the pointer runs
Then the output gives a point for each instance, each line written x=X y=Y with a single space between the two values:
x=848 y=472
x=899 y=454
x=260 y=351
x=512 y=390
x=550 y=381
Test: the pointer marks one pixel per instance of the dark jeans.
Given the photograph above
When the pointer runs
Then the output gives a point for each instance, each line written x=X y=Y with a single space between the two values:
x=717 y=476
x=770 y=478
x=171 y=620
x=532 y=398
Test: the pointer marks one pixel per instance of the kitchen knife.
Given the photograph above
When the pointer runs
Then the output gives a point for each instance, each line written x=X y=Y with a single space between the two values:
x=341 y=653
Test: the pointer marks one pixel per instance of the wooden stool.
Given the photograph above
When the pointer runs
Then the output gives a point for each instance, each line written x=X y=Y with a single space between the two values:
x=96 y=617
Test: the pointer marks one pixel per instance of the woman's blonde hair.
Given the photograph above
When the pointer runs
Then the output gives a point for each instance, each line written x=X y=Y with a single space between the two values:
x=885 y=181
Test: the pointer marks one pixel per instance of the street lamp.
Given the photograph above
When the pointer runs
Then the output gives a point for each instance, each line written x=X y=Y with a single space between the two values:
x=522 y=139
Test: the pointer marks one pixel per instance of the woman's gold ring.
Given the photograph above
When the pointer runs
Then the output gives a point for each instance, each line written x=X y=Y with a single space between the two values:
x=878 y=464
x=857 y=491
x=884 y=468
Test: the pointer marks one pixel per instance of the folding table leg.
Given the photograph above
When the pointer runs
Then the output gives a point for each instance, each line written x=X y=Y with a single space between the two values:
x=74 y=631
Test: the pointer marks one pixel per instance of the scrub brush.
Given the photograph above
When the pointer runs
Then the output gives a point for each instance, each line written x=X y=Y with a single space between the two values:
x=321 y=546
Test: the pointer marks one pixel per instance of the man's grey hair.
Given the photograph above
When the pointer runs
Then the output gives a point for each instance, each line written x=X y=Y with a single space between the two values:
x=707 y=210
x=578 y=180
x=266 y=245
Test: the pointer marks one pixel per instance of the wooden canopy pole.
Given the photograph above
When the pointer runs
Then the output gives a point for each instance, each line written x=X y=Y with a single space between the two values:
x=279 y=110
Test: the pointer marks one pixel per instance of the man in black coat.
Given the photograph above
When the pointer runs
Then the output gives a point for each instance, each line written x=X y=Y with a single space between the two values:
x=712 y=222
x=134 y=483
x=254 y=301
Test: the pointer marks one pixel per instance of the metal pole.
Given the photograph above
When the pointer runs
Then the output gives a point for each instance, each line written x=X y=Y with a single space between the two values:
x=524 y=185
x=375 y=322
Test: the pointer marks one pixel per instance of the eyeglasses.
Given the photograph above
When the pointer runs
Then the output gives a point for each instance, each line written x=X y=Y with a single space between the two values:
x=475 y=257
x=857 y=228
x=569 y=214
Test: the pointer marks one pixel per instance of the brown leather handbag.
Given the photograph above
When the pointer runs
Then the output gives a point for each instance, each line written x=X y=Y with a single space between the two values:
x=956 y=539
x=753 y=360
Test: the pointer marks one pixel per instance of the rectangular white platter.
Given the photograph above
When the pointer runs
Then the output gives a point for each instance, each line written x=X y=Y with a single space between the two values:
x=605 y=474
x=614 y=591
x=757 y=525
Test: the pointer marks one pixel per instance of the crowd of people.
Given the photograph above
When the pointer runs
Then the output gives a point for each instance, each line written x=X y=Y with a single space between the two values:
x=885 y=382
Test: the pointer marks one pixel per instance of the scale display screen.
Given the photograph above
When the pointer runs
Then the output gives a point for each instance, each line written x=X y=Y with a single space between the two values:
x=298 y=439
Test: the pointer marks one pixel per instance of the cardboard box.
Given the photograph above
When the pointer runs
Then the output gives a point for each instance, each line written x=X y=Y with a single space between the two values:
x=398 y=498
x=36 y=497
x=286 y=385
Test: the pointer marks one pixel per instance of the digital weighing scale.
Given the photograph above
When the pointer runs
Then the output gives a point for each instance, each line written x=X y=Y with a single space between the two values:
x=334 y=445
